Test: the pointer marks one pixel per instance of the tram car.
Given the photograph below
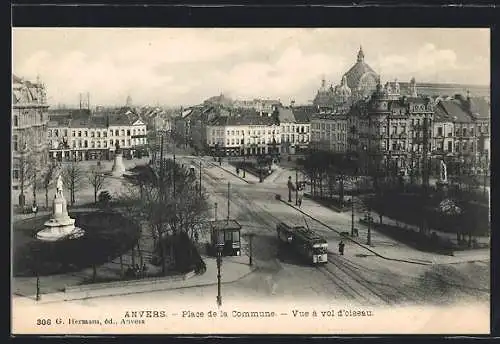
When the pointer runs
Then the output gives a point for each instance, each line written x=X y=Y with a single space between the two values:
x=309 y=244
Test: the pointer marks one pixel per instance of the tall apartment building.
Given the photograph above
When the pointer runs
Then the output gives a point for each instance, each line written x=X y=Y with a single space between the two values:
x=29 y=130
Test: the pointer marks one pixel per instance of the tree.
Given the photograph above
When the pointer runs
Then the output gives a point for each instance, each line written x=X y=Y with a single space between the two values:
x=96 y=178
x=26 y=171
x=168 y=204
x=47 y=178
x=73 y=177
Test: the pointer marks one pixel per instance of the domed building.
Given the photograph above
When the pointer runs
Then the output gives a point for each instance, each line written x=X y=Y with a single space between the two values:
x=324 y=98
x=343 y=92
x=361 y=78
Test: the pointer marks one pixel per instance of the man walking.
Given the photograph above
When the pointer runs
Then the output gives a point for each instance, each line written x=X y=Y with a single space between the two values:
x=341 y=247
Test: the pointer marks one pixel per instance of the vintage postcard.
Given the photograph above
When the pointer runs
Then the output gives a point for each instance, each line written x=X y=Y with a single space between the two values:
x=250 y=181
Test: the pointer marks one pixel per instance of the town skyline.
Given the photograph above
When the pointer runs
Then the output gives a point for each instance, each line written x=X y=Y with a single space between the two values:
x=195 y=64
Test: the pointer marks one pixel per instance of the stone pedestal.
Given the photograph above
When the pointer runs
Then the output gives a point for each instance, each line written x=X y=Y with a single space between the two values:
x=60 y=226
x=118 y=167
x=442 y=185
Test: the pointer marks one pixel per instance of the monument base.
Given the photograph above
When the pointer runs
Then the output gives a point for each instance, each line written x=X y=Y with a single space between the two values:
x=118 y=168
x=60 y=233
x=442 y=185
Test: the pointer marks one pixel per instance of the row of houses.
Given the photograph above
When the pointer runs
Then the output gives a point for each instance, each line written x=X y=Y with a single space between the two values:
x=245 y=131
x=90 y=136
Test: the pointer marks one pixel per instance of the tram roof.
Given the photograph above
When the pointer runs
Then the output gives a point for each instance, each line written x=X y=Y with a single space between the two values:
x=225 y=224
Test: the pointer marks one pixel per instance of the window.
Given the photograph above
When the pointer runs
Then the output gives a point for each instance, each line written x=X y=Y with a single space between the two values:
x=98 y=134
x=117 y=132
x=49 y=134
x=110 y=142
x=123 y=142
x=92 y=134
x=213 y=132
x=228 y=142
x=98 y=144
x=15 y=174
x=394 y=146
x=80 y=143
x=16 y=121
x=86 y=133
x=122 y=132
x=73 y=133
x=15 y=142
x=232 y=141
x=228 y=133
x=128 y=132
x=232 y=132
x=464 y=146
x=56 y=132
x=85 y=144
x=105 y=133
x=440 y=131
x=128 y=142
x=74 y=143
x=464 y=132
x=92 y=144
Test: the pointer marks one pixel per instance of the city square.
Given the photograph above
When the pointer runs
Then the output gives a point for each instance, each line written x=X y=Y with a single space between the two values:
x=375 y=192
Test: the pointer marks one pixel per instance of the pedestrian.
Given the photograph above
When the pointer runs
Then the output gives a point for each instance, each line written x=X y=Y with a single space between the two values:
x=34 y=208
x=341 y=247
x=144 y=269
x=300 y=201
x=137 y=270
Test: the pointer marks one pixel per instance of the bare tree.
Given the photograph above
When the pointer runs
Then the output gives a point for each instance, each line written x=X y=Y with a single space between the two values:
x=96 y=178
x=47 y=177
x=73 y=177
x=26 y=168
x=166 y=213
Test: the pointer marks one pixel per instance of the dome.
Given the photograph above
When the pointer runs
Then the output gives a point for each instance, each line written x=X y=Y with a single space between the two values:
x=343 y=90
x=324 y=95
x=359 y=72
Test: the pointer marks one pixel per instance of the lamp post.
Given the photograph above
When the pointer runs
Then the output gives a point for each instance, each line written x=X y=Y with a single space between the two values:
x=296 y=187
x=289 y=189
x=219 y=263
x=200 y=177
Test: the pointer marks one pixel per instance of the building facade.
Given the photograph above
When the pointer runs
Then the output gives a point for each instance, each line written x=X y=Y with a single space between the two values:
x=256 y=135
x=462 y=133
x=95 y=137
x=29 y=130
x=329 y=132
x=392 y=133
x=295 y=128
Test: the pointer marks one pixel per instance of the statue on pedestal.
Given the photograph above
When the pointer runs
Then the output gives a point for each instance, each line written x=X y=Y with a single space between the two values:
x=59 y=186
x=443 y=172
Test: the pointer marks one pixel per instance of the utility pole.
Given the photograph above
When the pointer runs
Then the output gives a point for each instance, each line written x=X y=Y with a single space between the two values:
x=228 y=200
x=215 y=212
x=296 y=186
x=161 y=169
x=219 y=258
x=289 y=189
x=200 y=178
x=250 y=244
x=244 y=162
x=352 y=215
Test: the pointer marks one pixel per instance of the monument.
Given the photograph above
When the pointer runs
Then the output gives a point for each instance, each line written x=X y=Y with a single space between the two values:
x=118 y=168
x=60 y=226
x=443 y=176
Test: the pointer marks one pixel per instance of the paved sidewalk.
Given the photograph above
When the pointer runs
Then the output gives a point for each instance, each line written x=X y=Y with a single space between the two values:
x=232 y=269
x=226 y=167
x=383 y=246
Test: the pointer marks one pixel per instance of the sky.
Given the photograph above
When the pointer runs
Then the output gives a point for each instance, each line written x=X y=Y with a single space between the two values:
x=184 y=66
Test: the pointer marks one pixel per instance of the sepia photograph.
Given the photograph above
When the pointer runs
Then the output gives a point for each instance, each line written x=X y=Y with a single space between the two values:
x=250 y=180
